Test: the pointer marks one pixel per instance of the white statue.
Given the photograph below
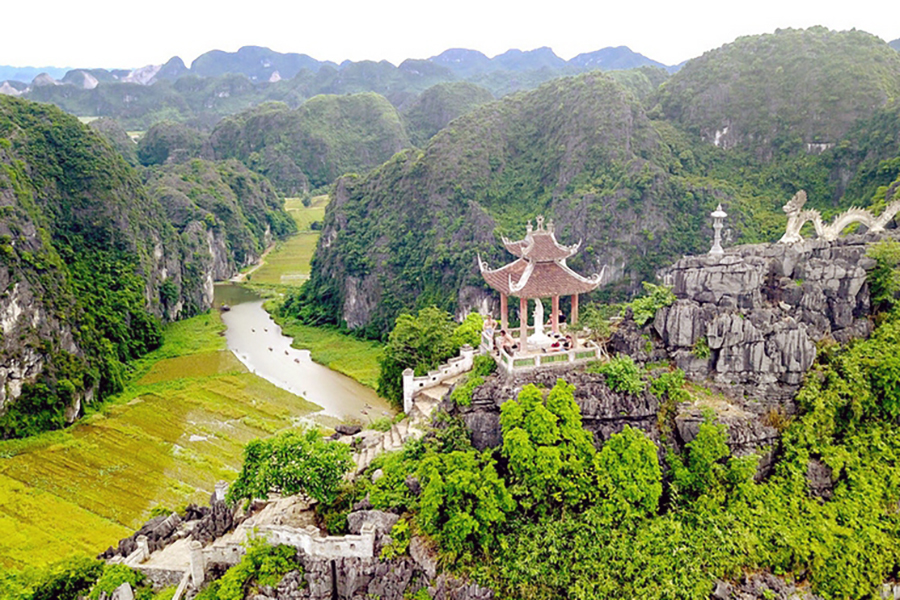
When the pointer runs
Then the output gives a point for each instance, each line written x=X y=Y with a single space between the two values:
x=797 y=218
x=538 y=338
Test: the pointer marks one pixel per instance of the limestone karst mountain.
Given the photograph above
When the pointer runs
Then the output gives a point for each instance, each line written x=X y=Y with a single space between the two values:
x=93 y=262
x=814 y=86
x=311 y=145
x=220 y=83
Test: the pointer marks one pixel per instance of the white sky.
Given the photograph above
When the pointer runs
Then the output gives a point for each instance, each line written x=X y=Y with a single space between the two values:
x=125 y=33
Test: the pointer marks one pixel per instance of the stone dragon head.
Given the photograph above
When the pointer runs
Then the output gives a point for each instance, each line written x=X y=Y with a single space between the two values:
x=795 y=204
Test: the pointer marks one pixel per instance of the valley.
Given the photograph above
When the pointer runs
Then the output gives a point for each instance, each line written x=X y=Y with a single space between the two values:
x=266 y=286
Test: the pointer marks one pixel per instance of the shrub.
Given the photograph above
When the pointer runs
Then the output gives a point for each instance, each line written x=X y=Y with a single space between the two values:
x=548 y=451
x=68 y=580
x=622 y=375
x=399 y=545
x=884 y=279
x=701 y=349
x=292 y=463
x=462 y=393
x=629 y=479
x=463 y=500
x=644 y=308
x=262 y=565
x=115 y=575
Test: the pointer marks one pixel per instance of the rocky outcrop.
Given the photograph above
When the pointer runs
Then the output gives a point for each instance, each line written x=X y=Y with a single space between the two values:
x=359 y=579
x=603 y=411
x=749 y=320
x=759 y=586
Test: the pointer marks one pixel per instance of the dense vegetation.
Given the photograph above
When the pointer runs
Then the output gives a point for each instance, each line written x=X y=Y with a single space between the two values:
x=310 y=146
x=221 y=83
x=784 y=90
x=630 y=172
x=94 y=261
x=438 y=105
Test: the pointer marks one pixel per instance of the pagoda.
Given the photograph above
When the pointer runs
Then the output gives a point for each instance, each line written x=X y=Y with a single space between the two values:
x=539 y=271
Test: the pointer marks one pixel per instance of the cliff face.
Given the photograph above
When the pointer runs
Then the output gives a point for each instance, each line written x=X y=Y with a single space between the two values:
x=90 y=263
x=761 y=309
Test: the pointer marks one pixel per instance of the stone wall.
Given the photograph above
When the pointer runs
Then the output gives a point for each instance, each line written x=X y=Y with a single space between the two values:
x=760 y=310
x=452 y=368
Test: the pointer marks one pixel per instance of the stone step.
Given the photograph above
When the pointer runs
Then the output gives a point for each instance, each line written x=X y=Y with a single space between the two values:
x=402 y=428
x=396 y=438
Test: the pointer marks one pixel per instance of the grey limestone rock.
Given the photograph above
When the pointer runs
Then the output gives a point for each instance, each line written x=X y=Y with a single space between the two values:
x=761 y=309
x=123 y=592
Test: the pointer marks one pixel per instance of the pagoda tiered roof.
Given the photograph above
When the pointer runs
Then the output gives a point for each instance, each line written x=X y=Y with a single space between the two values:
x=540 y=270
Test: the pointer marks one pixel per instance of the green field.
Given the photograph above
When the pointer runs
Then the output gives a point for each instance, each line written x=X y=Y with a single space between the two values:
x=355 y=358
x=288 y=263
x=165 y=441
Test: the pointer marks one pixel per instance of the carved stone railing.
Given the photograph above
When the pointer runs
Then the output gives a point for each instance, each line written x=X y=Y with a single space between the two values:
x=797 y=218
x=453 y=367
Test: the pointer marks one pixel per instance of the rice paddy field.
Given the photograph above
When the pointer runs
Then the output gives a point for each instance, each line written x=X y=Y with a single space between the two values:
x=178 y=428
x=289 y=262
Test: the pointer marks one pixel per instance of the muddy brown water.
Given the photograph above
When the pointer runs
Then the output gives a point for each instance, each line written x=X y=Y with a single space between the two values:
x=257 y=341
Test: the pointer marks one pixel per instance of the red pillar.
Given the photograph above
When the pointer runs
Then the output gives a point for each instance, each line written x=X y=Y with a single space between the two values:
x=574 y=315
x=523 y=319
x=554 y=320
x=504 y=312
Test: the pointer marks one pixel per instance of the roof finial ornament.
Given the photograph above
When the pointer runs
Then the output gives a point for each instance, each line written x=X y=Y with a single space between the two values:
x=540 y=222
x=550 y=226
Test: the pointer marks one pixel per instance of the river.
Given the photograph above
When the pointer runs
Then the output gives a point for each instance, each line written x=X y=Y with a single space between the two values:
x=257 y=341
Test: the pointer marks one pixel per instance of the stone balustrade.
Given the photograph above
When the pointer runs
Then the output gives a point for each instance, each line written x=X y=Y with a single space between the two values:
x=453 y=367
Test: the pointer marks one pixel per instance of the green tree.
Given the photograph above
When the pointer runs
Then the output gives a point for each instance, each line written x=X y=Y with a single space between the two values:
x=463 y=500
x=884 y=279
x=548 y=451
x=629 y=479
x=421 y=343
x=292 y=463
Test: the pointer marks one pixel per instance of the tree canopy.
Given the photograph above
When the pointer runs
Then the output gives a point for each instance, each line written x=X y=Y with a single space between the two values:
x=292 y=463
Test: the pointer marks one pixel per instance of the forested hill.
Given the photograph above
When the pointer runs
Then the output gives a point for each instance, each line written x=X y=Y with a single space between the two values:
x=222 y=83
x=314 y=144
x=93 y=262
x=634 y=181
x=791 y=91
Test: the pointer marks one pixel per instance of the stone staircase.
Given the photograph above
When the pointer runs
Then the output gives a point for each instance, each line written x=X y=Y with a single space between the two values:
x=412 y=427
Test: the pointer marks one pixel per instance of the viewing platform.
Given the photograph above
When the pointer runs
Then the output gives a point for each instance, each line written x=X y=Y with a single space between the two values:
x=517 y=360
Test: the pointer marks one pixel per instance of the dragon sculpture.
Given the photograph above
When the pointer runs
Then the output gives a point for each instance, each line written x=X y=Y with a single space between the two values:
x=797 y=218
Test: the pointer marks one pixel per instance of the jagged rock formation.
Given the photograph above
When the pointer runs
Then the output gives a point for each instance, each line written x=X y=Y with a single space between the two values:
x=760 y=586
x=603 y=411
x=749 y=320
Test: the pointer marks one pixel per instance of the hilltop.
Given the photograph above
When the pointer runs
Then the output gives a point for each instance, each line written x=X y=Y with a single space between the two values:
x=787 y=92
x=630 y=175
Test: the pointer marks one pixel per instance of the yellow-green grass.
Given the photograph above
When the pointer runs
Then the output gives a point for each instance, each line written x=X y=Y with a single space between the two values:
x=179 y=427
x=338 y=351
x=289 y=262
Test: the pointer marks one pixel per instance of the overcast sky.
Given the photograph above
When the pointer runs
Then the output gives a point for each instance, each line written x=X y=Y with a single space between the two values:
x=124 y=33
